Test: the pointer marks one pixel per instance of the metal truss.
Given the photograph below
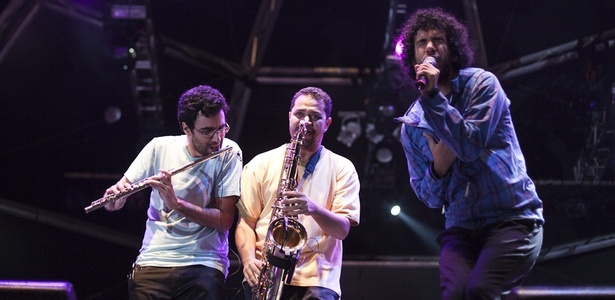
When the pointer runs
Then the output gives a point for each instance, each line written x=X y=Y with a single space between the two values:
x=595 y=156
x=597 y=153
x=144 y=79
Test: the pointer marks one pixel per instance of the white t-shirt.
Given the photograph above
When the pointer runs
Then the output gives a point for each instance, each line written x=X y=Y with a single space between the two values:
x=171 y=240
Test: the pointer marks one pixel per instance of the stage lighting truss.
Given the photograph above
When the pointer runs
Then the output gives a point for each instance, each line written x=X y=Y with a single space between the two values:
x=596 y=155
x=131 y=23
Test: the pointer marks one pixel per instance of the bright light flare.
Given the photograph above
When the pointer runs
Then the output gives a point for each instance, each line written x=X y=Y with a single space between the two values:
x=395 y=210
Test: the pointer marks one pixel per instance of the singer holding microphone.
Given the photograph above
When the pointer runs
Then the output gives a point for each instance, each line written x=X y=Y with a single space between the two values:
x=464 y=158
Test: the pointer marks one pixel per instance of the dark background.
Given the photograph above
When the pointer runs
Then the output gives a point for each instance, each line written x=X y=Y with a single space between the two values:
x=60 y=74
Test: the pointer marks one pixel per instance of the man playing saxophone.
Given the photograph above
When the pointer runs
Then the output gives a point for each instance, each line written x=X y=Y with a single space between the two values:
x=185 y=247
x=325 y=202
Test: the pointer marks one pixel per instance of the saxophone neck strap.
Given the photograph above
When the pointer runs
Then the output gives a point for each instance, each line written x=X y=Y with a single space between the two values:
x=311 y=165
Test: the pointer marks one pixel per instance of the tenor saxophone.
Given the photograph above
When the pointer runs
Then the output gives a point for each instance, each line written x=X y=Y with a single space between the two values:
x=285 y=234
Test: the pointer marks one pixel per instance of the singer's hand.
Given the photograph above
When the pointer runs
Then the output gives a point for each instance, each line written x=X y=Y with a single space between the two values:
x=443 y=157
x=430 y=73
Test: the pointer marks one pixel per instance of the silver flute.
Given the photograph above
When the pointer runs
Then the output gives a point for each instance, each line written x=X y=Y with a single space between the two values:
x=141 y=185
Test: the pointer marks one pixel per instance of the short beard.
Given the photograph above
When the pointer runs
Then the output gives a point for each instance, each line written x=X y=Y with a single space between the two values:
x=308 y=144
x=203 y=151
x=446 y=73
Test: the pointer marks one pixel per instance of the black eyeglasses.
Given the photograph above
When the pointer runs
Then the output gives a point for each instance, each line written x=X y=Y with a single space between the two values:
x=210 y=132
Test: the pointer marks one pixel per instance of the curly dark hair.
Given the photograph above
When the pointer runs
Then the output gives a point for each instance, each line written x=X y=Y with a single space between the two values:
x=202 y=99
x=436 y=18
x=316 y=94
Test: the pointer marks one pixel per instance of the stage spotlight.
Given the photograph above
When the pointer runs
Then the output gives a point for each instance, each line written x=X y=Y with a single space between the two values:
x=387 y=110
x=372 y=134
x=128 y=12
x=351 y=127
x=349 y=133
x=124 y=57
x=112 y=114
x=395 y=210
x=384 y=155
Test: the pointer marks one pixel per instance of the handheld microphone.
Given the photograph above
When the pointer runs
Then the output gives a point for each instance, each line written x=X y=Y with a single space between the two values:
x=422 y=81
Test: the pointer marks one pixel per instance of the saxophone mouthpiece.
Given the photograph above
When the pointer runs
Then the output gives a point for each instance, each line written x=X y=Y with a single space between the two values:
x=302 y=125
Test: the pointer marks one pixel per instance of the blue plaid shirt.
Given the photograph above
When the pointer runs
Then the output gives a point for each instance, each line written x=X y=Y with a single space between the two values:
x=488 y=183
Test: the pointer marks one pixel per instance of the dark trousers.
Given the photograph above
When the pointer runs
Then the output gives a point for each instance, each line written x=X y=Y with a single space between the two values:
x=487 y=263
x=291 y=292
x=190 y=282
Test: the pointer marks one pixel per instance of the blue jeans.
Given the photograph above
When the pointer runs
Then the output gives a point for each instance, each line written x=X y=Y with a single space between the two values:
x=291 y=292
x=487 y=263
x=189 y=282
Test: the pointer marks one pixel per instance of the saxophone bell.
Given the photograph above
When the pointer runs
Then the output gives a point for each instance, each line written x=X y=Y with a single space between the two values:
x=288 y=235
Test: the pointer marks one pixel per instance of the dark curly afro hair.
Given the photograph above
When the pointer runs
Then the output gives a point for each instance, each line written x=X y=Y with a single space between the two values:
x=436 y=18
